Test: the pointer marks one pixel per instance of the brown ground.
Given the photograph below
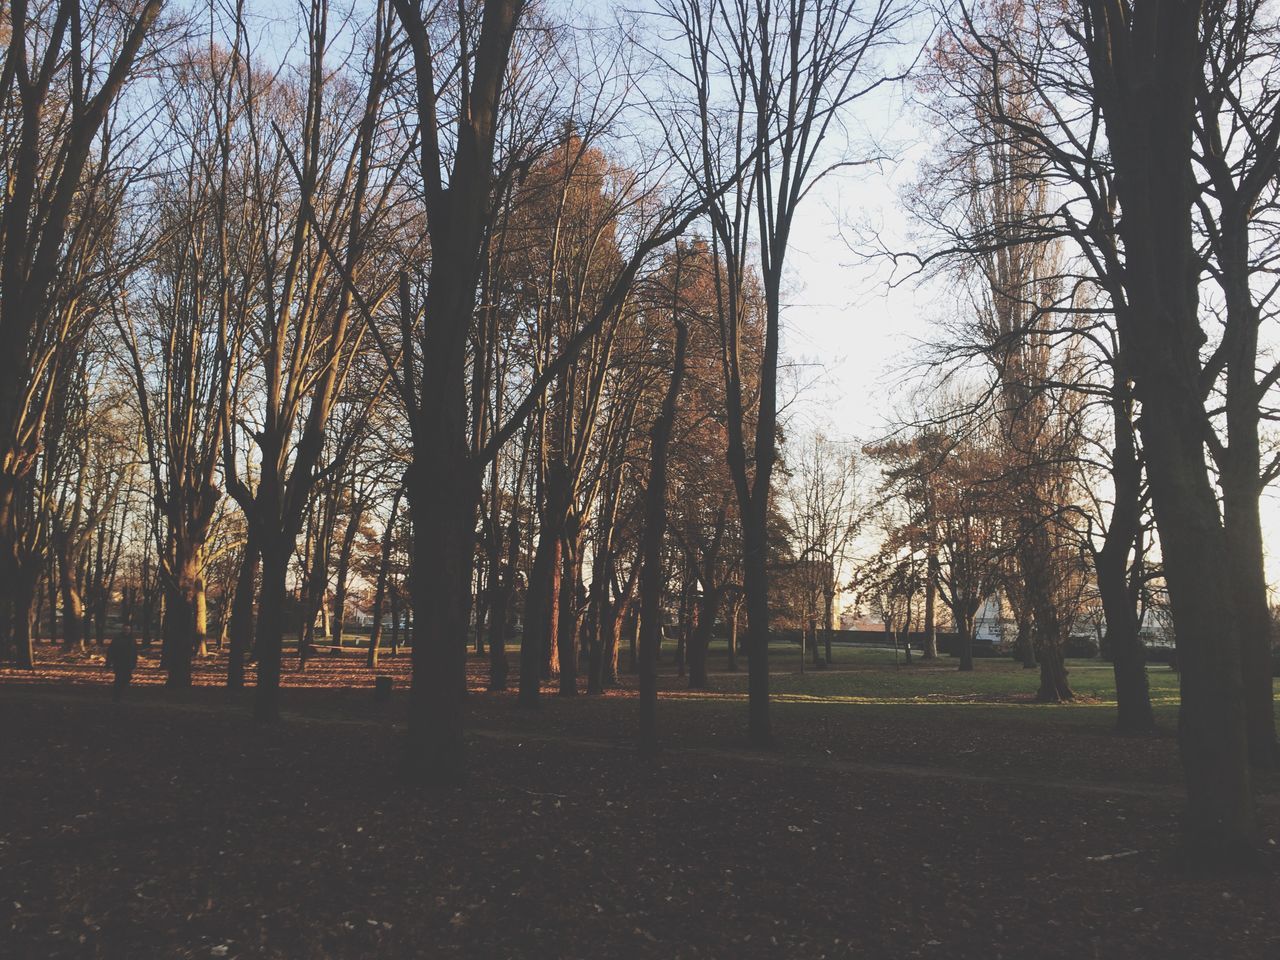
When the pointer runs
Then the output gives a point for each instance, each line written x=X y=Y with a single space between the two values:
x=173 y=826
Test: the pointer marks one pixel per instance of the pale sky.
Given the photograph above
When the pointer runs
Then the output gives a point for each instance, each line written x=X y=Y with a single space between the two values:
x=857 y=336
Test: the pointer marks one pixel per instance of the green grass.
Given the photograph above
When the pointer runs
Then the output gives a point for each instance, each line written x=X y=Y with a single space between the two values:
x=863 y=675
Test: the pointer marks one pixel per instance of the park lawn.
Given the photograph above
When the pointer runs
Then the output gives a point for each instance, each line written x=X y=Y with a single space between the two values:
x=173 y=826
x=863 y=710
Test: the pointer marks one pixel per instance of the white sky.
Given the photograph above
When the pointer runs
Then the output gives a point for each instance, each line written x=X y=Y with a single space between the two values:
x=855 y=335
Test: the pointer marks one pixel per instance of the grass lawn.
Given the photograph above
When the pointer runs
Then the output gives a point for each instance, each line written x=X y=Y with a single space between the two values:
x=901 y=812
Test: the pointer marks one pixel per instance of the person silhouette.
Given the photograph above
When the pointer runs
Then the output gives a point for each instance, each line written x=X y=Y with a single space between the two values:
x=122 y=657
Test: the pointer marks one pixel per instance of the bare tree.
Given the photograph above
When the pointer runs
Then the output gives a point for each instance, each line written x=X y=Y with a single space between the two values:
x=770 y=84
x=59 y=77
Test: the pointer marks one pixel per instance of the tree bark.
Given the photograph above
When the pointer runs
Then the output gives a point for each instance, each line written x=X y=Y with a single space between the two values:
x=380 y=587
x=538 y=615
x=443 y=498
x=756 y=586
x=240 y=628
x=930 y=604
x=651 y=538
x=1149 y=117
x=270 y=641
x=1118 y=590
x=567 y=626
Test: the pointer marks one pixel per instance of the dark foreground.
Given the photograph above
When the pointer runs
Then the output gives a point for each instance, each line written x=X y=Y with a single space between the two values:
x=172 y=826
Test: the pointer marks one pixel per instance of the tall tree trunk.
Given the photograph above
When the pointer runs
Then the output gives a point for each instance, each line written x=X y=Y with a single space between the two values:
x=1146 y=69
x=930 y=604
x=567 y=628
x=1128 y=657
x=828 y=625
x=395 y=620
x=499 y=614
x=537 y=616
x=756 y=585
x=1243 y=527
x=342 y=573
x=380 y=587
x=443 y=497
x=180 y=609
x=240 y=628
x=1118 y=592
x=200 y=598
x=651 y=538
x=1212 y=726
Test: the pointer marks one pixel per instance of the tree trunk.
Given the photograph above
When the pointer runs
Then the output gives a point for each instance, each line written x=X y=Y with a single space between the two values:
x=343 y=570
x=651 y=538
x=604 y=644
x=395 y=620
x=537 y=616
x=930 y=606
x=1243 y=529
x=180 y=611
x=240 y=628
x=1212 y=727
x=24 y=615
x=964 y=628
x=72 y=604
x=1147 y=96
x=200 y=640
x=567 y=626
x=1128 y=657
x=380 y=587
x=734 y=617
x=1118 y=589
x=756 y=586
x=442 y=504
x=499 y=611
x=270 y=640
x=700 y=641
x=828 y=612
